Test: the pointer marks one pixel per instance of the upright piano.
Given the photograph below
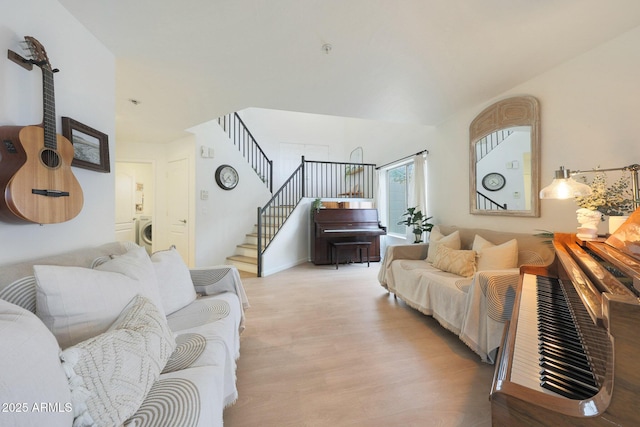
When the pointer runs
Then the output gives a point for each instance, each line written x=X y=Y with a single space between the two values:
x=571 y=353
x=344 y=225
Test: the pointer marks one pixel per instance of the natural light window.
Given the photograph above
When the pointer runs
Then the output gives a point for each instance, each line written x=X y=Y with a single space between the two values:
x=398 y=179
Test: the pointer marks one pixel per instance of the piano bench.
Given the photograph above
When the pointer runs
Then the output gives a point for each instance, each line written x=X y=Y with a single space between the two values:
x=335 y=246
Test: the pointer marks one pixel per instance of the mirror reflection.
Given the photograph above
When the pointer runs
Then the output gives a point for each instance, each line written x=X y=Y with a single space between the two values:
x=504 y=156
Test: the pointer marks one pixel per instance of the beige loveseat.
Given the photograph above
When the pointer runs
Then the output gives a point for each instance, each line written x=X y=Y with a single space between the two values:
x=109 y=335
x=470 y=292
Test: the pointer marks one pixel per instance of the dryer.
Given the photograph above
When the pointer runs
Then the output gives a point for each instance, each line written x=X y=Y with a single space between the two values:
x=145 y=233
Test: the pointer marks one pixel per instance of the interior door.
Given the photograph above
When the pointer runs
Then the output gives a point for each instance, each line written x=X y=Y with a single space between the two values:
x=125 y=206
x=178 y=206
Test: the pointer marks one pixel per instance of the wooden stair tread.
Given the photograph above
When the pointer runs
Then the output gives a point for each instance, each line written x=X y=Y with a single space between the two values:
x=248 y=246
x=242 y=258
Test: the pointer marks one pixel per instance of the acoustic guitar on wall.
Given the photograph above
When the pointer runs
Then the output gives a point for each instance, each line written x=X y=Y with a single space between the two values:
x=35 y=162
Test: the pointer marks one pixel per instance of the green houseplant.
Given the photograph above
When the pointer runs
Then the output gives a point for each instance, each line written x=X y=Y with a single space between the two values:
x=317 y=204
x=418 y=222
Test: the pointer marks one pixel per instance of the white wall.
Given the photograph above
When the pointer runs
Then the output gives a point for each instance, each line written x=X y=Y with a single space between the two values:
x=292 y=245
x=227 y=215
x=84 y=88
x=382 y=142
x=589 y=109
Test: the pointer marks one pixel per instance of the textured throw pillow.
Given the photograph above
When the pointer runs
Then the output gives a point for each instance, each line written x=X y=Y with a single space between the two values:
x=436 y=239
x=110 y=374
x=30 y=372
x=174 y=280
x=495 y=257
x=460 y=262
x=78 y=303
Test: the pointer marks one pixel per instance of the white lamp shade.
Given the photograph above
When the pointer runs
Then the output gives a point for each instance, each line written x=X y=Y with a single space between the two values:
x=564 y=187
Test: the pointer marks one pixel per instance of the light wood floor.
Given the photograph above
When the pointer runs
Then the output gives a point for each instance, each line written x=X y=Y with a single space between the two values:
x=326 y=347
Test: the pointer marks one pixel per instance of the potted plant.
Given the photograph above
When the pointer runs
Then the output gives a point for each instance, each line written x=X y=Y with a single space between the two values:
x=418 y=222
x=317 y=204
x=614 y=201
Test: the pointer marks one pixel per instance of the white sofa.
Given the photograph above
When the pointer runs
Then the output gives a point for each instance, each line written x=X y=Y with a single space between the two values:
x=110 y=336
x=465 y=278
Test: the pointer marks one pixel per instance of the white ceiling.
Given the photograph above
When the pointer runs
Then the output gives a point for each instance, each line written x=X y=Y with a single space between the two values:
x=408 y=61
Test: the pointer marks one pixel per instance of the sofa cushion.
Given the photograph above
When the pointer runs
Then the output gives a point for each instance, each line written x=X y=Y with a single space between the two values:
x=31 y=373
x=110 y=374
x=77 y=303
x=174 y=280
x=436 y=239
x=495 y=257
x=460 y=262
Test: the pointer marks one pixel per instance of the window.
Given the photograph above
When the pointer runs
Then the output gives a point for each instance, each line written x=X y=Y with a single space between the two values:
x=398 y=180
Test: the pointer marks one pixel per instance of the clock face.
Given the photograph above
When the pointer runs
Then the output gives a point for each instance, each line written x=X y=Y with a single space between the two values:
x=227 y=177
x=493 y=181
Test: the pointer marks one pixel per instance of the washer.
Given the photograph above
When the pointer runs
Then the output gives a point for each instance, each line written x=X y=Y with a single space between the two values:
x=145 y=233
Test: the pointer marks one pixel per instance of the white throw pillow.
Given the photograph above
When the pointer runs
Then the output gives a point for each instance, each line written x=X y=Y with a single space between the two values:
x=459 y=262
x=495 y=257
x=110 y=374
x=30 y=372
x=452 y=241
x=174 y=280
x=78 y=303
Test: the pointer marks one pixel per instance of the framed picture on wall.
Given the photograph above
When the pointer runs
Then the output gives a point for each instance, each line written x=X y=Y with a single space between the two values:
x=91 y=147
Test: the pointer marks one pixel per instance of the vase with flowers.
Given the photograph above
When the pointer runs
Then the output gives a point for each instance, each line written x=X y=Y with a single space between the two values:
x=614 y=201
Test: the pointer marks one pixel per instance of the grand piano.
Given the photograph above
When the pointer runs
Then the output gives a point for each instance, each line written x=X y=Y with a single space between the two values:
x=571 y=351
x=344 y=225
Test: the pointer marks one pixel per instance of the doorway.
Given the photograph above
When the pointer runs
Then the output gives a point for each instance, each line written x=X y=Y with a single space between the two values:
x=135 y=203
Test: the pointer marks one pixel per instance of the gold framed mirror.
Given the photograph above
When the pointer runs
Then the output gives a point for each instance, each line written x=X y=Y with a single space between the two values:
x=504 y=156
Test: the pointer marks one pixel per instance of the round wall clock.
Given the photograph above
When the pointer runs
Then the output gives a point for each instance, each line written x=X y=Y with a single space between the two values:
x=493 y=181
x=226 y=177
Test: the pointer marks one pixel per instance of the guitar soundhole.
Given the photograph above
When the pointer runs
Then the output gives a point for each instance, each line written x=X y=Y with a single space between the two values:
x=50 y=158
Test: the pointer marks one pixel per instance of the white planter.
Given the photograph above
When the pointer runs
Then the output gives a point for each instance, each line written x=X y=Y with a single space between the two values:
x=615 y=222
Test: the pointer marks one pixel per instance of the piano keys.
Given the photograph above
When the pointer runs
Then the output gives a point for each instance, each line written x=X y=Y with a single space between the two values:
x=570 y=352
x=344 y=225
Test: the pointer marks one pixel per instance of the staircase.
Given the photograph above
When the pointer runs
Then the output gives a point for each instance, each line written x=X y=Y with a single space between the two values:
x=312 y=179
x=245 y=257
x=490 y=142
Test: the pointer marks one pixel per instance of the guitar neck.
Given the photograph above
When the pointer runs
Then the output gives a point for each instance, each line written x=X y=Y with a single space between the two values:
x=49 y=110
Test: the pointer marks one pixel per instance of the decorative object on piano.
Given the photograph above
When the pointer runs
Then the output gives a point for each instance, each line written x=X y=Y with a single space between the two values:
x=616 y=199
x=317 y=204
x=227 y=177
x=588 y=220
x=91 y=147
x=417 y=221
x=627 y=236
